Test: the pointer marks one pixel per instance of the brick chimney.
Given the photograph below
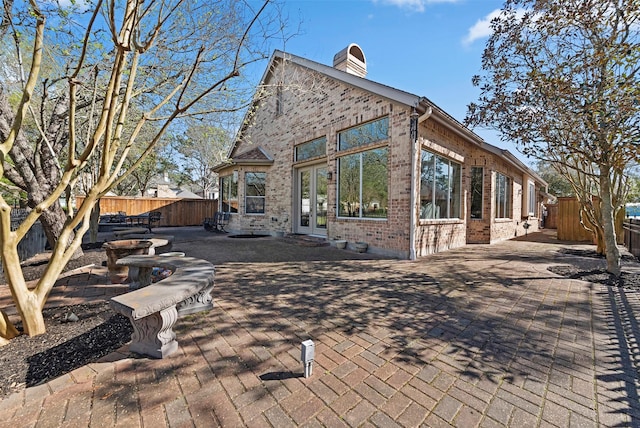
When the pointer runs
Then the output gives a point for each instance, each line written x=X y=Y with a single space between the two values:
x=351 y=59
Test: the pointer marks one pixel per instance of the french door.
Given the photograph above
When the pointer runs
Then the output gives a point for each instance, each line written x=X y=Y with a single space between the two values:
x=311 y=200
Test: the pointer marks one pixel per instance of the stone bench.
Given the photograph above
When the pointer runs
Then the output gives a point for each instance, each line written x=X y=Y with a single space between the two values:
x=121 y=232
x=153 y=308
x=158 y=246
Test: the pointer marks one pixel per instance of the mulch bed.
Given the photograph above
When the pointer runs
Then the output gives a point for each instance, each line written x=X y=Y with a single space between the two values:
x=29 y=361
x=627 y=280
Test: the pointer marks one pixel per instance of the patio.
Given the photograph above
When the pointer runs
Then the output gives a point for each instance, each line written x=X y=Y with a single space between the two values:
x=478 y=336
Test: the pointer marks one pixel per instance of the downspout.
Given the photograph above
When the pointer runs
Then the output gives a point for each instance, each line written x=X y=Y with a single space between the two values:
x=414 y=166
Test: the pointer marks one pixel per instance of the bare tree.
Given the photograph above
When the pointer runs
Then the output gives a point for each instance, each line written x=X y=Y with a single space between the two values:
x=561 y=80
x=201 y=148
x=167 y=58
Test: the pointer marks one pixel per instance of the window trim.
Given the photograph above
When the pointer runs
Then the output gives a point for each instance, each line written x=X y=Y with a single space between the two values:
x=263 y=197
x=296 y=159
x=361 y=153
x=230 y=177
x=508 y=203
x=359 y=126
x=279 y=100
x=531 y=209
x=451 y=186
x=481 y=169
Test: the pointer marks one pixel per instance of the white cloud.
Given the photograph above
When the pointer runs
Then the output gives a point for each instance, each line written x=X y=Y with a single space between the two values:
x=481 y=29
x=66 y=4
x=415 y=5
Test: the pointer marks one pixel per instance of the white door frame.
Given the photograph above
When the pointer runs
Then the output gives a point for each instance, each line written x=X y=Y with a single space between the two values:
x=311 y=200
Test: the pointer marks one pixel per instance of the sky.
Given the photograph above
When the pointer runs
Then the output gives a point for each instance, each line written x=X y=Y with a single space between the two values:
x=429 y=48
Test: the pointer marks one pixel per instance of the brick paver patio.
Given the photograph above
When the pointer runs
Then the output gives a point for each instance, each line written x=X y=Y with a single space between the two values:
x=478 y=336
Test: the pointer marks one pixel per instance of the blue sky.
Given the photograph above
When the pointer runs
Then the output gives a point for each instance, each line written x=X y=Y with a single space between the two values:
x=430 y=48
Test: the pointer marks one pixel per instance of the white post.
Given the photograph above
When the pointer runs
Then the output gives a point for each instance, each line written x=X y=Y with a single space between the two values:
x=307 y=355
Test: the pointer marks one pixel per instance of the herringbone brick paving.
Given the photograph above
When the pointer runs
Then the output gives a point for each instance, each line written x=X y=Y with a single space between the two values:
x=478 y=336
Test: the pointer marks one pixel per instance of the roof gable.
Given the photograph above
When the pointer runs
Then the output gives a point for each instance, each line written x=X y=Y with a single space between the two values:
x=421 y=104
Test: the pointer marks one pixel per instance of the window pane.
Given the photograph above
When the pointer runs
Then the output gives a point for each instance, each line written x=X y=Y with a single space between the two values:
x=500 y=195
x=349 y=188
x=455 y=191
x=427 y=208
x=370 y=132
x=255 y=205
x=255 y=183
x=374 y=183
x=228 y=194
x=363 y=187
x=442 y=187
x=321 y=198
x=508 y=192
x=476 y=192
x=532 y=199
x=503 y=196
x=305 y=198
x=311 y=149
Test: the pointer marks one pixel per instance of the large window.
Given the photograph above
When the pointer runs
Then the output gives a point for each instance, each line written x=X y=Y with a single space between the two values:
x=362 y=189
x=254 y=193
x=364 y=134
x=312 y=149
x=229 y=194
x=362 y=176
x=477 y=191
x=439 y=187
x=503 y=196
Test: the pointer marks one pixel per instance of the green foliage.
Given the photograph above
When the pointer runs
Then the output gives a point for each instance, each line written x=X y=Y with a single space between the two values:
x=200 y=148
x=559 y=186
x=561 y=80
x=634 y=189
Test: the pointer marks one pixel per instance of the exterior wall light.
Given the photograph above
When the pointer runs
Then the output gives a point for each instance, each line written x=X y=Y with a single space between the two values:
x=413 y=125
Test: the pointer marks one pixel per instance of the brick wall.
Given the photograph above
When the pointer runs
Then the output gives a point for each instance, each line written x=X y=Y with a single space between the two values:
x=313 y=107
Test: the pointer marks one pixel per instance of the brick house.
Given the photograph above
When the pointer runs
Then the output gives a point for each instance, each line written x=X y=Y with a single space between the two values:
x=326 y=152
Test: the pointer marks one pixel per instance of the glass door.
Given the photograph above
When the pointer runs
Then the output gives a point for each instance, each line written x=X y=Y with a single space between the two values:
x=312 y=200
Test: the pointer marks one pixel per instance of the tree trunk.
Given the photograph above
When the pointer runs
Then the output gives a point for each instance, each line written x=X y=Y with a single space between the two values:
x=53 y=221
x=94 y=225
x=607 y=213
x=28 y=303
x=31 y=314
x=7 y=330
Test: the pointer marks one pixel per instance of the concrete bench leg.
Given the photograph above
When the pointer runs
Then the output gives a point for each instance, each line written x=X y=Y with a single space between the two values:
x=197 y=303
x=153 y=335
x=140 y=277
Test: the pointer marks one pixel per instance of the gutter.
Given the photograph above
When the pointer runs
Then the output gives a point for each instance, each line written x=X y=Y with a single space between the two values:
x=414 y=166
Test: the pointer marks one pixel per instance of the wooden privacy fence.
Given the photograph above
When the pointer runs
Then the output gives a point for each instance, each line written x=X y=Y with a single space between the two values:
x=34 y=242
x=632 y=235
x=551 y=221
x=175 y=211
x=568 y=222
